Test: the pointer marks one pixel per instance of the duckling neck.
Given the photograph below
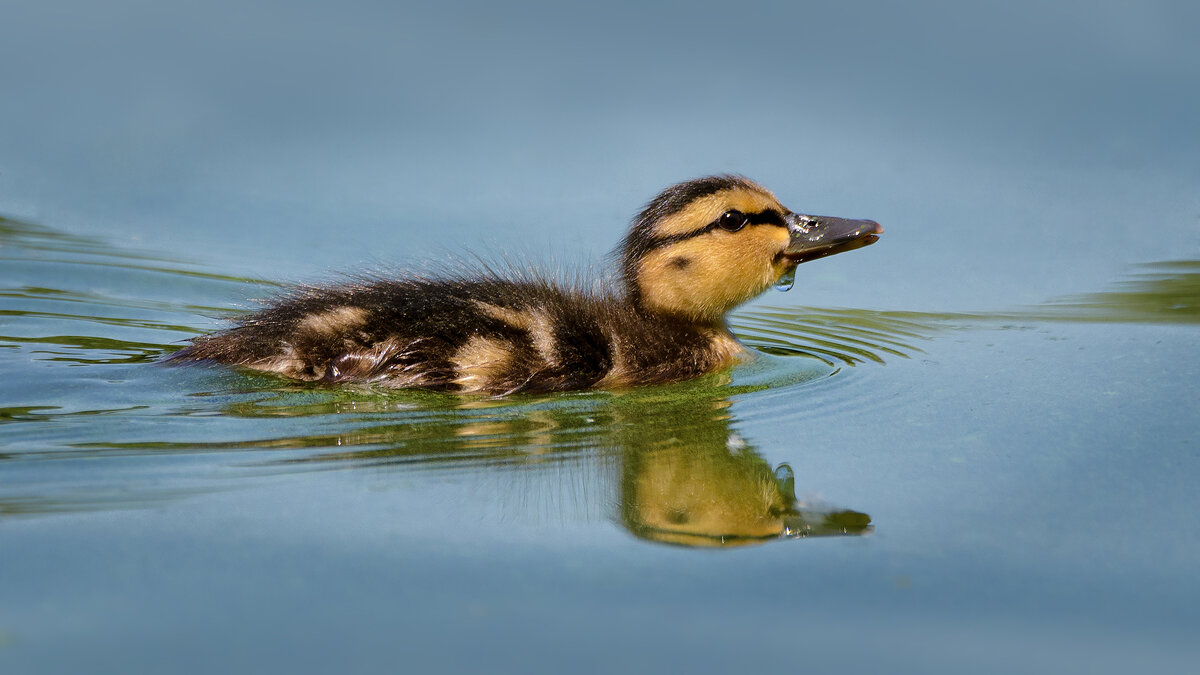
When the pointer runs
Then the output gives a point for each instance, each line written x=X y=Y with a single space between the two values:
x=650 y=347
x=678 y=320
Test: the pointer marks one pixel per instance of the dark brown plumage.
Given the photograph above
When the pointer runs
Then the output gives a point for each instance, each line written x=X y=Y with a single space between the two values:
x=685 y=262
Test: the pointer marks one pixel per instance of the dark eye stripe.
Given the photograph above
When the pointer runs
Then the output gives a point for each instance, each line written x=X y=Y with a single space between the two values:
x=768 y=217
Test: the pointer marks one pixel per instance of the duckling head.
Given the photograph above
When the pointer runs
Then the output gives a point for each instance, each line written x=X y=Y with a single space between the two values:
x=705 y=246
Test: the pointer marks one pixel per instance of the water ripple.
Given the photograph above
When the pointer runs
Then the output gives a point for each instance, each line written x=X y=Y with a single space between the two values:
x=648 y=448
x=836 y=337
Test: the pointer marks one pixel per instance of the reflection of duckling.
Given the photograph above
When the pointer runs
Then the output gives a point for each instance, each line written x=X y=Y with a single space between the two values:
x=708 y=496
x=696 y=251
x=671 y=465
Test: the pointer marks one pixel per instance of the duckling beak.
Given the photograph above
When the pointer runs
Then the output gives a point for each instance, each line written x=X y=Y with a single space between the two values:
x=819 y=236
x=804 y=523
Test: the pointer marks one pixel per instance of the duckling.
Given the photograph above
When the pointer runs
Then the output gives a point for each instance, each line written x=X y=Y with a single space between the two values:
x=696 y=251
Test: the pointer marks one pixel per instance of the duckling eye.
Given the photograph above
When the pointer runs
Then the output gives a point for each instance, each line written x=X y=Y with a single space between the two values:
x=732 y=221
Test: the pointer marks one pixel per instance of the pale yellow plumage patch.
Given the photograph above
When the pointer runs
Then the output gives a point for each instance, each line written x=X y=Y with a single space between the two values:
x=704 y=277
x=339 y=320
x=287 y=364
x=536 y=322
x=618 y=373
x=334 y=321
x=479 y=361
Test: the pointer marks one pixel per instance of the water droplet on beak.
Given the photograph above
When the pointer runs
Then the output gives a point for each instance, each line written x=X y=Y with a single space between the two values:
x=785 y=282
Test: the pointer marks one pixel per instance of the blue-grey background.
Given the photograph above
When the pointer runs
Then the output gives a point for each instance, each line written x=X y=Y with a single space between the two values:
x=1030 y=471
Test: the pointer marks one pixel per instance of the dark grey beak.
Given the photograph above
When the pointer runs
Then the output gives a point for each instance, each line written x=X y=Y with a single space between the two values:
x=818 y=236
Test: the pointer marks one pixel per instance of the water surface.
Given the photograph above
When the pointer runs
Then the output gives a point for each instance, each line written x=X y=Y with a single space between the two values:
x=970 y=447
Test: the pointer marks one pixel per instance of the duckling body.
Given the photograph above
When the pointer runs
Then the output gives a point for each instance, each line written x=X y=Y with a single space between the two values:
x=697 y=250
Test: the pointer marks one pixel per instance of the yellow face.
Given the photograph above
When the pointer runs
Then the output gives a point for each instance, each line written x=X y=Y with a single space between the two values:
x=701 y=270
x=703 y=496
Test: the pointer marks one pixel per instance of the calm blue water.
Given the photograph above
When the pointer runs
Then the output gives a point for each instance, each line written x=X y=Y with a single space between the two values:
x=989 y=418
